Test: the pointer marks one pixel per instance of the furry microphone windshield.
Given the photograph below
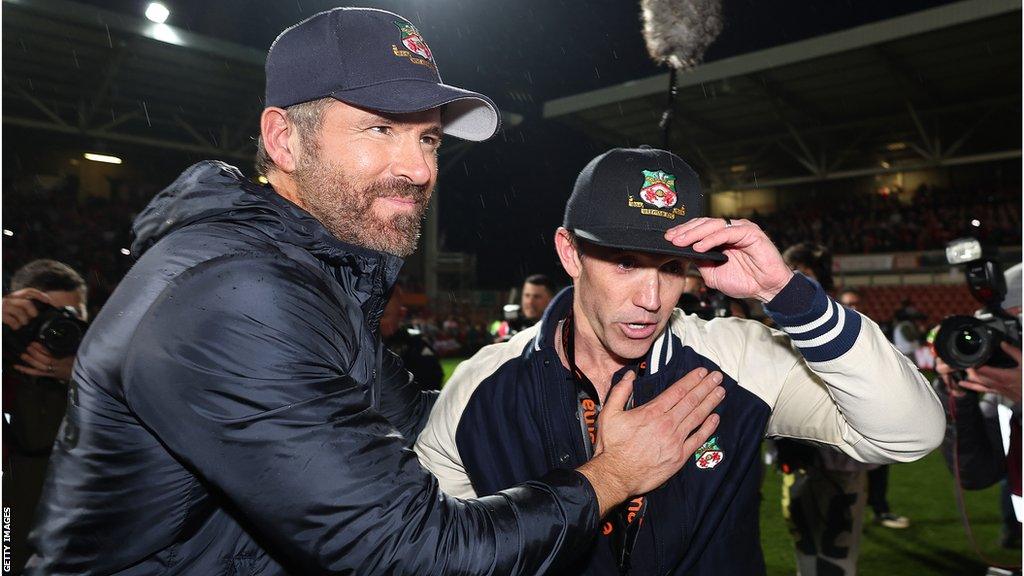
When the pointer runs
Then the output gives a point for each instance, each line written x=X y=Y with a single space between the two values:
x=677 y=32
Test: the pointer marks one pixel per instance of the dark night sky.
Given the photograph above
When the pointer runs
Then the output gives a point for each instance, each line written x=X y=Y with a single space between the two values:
x=504 y=199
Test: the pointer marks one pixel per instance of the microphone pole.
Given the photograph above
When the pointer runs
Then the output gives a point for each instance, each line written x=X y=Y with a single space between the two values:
x=666 y=116
x=677 y=32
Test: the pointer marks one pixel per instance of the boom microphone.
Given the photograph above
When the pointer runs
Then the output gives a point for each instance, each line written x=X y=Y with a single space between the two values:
x=677 y=32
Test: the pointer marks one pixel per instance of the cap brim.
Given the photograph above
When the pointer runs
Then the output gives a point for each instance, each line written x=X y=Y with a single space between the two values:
x=467 y=115
x=645 y=241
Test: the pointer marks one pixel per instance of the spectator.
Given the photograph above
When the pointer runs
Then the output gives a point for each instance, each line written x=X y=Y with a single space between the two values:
x=35 y=391
x=878 y=478
x=823 y=490
x=983 y=434
x=537 y=292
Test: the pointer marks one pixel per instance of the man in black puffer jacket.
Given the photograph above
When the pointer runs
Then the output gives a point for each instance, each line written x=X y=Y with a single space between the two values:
x=232 y=410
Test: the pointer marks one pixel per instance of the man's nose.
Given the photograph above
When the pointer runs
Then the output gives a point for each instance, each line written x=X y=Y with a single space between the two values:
x=413 y=162
x=648 y=295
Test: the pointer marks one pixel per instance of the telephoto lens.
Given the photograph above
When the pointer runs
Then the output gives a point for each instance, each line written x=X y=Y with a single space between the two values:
x=967 y=342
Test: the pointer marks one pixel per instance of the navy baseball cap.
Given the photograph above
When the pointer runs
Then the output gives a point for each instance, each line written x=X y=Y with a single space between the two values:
x=371 y=59
x=627 y=198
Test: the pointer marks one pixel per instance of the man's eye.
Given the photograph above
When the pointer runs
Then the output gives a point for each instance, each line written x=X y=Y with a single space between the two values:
x=432 y=141
x=627 y=263
x=674 y=267
x=381 y=129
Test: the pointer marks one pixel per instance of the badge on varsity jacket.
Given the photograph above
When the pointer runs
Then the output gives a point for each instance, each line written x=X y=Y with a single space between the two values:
x=709 y=455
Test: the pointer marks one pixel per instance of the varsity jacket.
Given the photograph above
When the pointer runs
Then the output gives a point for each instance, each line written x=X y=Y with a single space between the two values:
x=830 y=377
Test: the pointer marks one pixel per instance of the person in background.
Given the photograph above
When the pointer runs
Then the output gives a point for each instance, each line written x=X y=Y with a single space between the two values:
x=823 y=491
x=907 y=332
x=417 y=356
x=878 y=479
x=35 y=389
x=537 y=292
x=983 y=432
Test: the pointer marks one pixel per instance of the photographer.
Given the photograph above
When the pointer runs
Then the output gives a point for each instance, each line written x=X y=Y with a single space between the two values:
x=538 y=290
x=984 y=410
x=44 y=294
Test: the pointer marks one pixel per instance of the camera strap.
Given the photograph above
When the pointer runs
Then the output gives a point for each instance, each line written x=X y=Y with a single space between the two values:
x=960 y=502
x=624 y=524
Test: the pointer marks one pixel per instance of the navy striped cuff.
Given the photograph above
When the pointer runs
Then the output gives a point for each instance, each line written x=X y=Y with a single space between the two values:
x=819 y=327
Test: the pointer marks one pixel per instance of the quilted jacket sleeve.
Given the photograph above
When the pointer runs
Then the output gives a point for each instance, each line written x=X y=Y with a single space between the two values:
x=403 y=401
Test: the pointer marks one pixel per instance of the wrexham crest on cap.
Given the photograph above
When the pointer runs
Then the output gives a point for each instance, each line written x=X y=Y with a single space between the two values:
x=414 y=44
x=659 y=191
x=709 y=455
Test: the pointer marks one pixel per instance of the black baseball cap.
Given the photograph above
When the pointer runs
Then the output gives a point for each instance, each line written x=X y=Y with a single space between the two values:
x=372 y=59
x=627 y=198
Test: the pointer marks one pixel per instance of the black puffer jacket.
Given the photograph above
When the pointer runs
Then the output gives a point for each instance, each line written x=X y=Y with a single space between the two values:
x=231 y=413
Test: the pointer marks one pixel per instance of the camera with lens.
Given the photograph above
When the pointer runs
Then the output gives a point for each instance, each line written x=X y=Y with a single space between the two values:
x=971 y=341
x=512 y=314
x=59 y=330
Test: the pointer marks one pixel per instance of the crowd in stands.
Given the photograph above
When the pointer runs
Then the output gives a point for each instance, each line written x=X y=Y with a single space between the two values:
x=450 y=335
x=90 y=234
x=863 y=224
x=87 y=233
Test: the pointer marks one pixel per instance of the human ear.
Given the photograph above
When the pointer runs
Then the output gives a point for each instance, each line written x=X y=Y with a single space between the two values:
x=568 y=253
x=277 y=133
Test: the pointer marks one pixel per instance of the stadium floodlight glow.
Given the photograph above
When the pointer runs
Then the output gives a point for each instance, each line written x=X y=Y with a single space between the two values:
x=886 y=165
x=738 y=168
x=8 y=232
x=102 y=158
x=126 y=252
x=165 y=33
x=896 y=146
x=157 y=12
x=976 y=223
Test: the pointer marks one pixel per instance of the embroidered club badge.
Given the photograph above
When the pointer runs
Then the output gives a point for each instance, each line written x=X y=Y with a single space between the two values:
x=412 y=40
x=659 y=189
x=709 y=455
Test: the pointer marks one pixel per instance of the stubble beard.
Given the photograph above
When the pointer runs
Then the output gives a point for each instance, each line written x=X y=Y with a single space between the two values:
x=347 y=211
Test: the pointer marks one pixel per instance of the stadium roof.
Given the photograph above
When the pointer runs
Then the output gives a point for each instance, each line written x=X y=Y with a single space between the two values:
x=76 y=69
x=939 y=87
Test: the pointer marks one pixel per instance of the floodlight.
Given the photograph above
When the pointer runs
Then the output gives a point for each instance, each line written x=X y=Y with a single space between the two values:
x=157 y=12
x=102 y=158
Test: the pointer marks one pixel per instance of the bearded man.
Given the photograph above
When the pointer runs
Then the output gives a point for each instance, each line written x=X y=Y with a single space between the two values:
x=232 y=409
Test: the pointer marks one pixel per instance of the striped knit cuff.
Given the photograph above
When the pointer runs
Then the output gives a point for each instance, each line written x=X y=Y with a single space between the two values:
x=820 y=328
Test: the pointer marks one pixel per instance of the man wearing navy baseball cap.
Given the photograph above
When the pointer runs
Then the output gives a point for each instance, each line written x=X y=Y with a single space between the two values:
x=633 y=226
x=232 y=409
